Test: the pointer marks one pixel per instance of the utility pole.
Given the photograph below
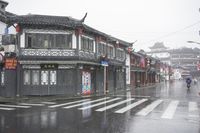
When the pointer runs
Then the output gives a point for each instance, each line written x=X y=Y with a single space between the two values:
x=104 y=63
x=104 y=80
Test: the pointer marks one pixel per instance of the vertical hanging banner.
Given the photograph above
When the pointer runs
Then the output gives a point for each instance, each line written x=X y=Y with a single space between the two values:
x=86 y=83
x=198 y=66
x=142 y=62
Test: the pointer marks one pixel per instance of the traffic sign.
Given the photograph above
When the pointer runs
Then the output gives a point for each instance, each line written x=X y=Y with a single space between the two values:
x=104 y=63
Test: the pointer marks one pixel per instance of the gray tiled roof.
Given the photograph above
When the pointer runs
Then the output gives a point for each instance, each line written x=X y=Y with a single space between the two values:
x=58 y=21
x=44 y=20
x=158 y=45
x=4 y=15
x=4 y=2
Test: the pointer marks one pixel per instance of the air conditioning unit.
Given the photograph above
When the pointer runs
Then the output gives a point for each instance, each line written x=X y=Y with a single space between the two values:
x=9 y=39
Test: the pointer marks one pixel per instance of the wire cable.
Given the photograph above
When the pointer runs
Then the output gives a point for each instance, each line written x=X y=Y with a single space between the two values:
x=175 y=32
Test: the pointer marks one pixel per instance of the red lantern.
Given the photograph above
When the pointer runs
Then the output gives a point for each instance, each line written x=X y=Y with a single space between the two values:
x=130 y=50
x=17 y=28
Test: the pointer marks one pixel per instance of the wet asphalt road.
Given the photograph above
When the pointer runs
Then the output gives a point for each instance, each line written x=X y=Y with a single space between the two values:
x=53 y=118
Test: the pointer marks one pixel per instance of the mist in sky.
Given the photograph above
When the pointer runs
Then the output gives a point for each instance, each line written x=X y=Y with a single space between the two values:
x=173 y=22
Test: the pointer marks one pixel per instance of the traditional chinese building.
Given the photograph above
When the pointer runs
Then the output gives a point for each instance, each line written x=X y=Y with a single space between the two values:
x=159 y=50
x=185 y=61
x=57 y=55
x=144 y=70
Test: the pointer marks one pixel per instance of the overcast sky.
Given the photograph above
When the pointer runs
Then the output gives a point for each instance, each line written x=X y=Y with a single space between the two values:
x=173 y=22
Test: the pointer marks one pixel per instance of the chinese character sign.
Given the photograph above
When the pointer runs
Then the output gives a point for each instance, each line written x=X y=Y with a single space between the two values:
x=86 y=82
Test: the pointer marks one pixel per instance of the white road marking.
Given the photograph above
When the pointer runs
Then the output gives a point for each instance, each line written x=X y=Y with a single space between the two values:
x=114 y=105
x=94 y=105
x=7 y=108
x=193 y=110
x=76 y=105
x=31 y=104
x=145 y=111
x=48 y=102
x=63 y=104
x=171 y=109
x=14 y=106
x=138 y=96
x=193 y=106
x=122 y=110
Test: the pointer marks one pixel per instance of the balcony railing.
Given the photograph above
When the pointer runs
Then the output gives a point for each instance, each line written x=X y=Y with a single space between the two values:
x=47 y=52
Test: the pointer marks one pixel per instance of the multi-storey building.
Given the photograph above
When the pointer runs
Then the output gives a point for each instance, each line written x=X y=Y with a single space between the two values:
x=161 y=52
x=144 y=70
x=185 y=61
x=61 y=55
x=3 y=29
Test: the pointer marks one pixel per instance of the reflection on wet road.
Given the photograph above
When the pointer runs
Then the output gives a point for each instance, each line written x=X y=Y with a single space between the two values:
x=170 y=106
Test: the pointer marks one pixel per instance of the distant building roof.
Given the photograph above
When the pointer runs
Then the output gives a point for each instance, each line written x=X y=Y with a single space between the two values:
x=185 y=50
x=158 y=45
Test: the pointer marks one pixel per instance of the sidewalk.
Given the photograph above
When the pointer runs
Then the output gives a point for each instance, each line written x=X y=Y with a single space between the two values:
x=37 y=99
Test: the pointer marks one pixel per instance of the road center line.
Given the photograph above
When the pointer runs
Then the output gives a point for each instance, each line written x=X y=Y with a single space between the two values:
x=72 y=106
x=145 y=111
x=122 y=110
x=63 y=104
x=171 y=109
x=114 y=105
x=94 y=105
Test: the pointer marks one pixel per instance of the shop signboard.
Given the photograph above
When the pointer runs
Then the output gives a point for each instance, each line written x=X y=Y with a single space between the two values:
x=10 y=63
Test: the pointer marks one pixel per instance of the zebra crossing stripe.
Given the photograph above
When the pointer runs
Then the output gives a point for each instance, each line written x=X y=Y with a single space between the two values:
x=63 y=104
x=72 y=106
x=7 y=108
x=14 y=106
x=149 y=108
x=122 y=110
x=94 y=105
x=48 y=102
x=170 y=111
x=193 y=106
x=193 y=110
x=31 y=104
x=114 y=105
